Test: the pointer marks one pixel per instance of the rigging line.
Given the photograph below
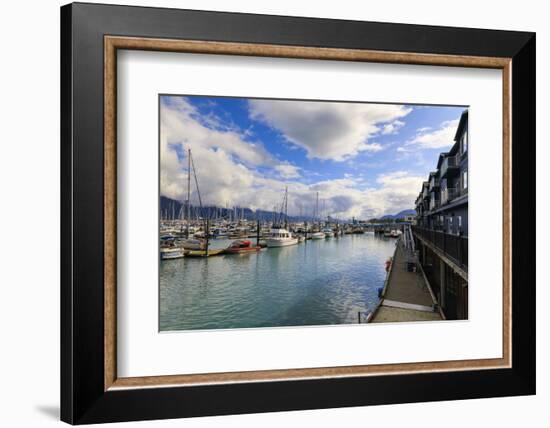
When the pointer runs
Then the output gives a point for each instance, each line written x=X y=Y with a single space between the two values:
x=196 y=182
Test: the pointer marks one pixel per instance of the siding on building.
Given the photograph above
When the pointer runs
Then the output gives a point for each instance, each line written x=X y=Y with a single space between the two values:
x=442 y=225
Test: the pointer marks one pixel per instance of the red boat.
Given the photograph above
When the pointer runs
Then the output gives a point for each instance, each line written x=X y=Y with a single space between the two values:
x=242 y=246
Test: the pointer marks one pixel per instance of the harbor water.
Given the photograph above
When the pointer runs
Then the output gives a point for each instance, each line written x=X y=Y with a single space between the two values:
x=319 y=282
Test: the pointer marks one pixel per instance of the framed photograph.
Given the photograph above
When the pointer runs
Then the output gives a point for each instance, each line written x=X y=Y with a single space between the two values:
x=266 y=213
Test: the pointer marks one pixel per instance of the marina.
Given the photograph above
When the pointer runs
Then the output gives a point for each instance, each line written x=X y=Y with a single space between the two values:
x=222 y=270
x=317 y=282
x=264 y=234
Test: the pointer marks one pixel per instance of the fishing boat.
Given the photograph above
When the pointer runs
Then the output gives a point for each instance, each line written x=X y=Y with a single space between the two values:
x=280 y=238
x=242 y=246
x=328 y=232
x=279 y=235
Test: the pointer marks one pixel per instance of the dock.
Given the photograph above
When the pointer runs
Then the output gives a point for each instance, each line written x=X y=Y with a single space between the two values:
x=406 y=295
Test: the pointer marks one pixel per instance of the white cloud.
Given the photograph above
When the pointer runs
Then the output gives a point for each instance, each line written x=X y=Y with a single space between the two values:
x=223 y=156
x=393 y=127
x=435 y=139
x=287 y=170
x=182 y=124
x=234 y=171
x=334 y=131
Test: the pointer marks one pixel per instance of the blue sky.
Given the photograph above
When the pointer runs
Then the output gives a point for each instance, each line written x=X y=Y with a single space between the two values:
x=364 y=159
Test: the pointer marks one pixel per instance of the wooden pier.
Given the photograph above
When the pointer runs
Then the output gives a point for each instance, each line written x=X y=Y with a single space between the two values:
x=406 y=295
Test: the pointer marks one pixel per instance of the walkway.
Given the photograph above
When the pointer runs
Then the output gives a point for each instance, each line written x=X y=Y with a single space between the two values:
x=406 y=296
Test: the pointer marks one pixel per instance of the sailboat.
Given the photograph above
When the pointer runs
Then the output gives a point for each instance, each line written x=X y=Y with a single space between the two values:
x=191 y=243
x=318 y=234
x=280 y=236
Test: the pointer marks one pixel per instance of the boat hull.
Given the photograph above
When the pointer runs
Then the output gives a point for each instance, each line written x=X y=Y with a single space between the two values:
x=203 y=253
x=243 y=250
x=171 y=254
x=274 y=243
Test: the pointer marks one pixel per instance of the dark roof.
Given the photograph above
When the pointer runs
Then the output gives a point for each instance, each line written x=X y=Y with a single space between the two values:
x=463 y=123
x=454 y=149
x=440 y=159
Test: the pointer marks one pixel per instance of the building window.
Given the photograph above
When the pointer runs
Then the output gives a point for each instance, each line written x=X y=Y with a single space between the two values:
x=465 y=179
x=465 y=141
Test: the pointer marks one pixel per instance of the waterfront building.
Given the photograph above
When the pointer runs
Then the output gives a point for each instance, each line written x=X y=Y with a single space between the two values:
x=441 y=231
x=410 y=219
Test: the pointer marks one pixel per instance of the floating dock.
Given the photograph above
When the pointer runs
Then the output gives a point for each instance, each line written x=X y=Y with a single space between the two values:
x=203 y=253
x=406 y=295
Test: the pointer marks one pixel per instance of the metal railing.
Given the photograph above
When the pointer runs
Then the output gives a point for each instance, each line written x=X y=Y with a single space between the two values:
x=453 y=246
x=434 y=203
x=450 y=193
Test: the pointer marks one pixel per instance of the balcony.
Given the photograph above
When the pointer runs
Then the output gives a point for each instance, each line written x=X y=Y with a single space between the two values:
x=434 y=183
x=453 y=246
x=450 y=193
x=425 y=193
x=449 y=166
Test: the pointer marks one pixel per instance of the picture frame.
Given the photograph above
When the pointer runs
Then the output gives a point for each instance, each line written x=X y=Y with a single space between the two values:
x=91 y=391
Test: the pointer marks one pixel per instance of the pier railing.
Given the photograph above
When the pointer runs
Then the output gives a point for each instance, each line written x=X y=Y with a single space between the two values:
x=453 y=246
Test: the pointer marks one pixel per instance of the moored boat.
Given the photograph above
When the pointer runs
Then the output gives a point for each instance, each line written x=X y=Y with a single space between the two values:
x=242 y=246
x=193 y=244
x=318 y=235
x=204 y=253
x=169 y=250
x=171 y=253
x=328 y=232
x=280 y=238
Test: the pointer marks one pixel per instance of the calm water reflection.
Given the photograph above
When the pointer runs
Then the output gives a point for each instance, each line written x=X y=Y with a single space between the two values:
x=319 y=282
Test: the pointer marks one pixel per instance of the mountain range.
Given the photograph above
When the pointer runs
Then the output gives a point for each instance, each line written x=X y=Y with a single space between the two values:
x=170 y=208
x=400 y=214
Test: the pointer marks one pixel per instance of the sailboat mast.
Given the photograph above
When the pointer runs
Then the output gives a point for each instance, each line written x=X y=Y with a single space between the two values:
x=188 y=191
x=317 y=208
x=286 y=207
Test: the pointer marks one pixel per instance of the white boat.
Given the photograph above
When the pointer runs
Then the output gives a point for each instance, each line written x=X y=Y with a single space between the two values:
x=193 y=244
x=280 y=238
x=171 y=253
x=328 y=233
x=318 y=235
